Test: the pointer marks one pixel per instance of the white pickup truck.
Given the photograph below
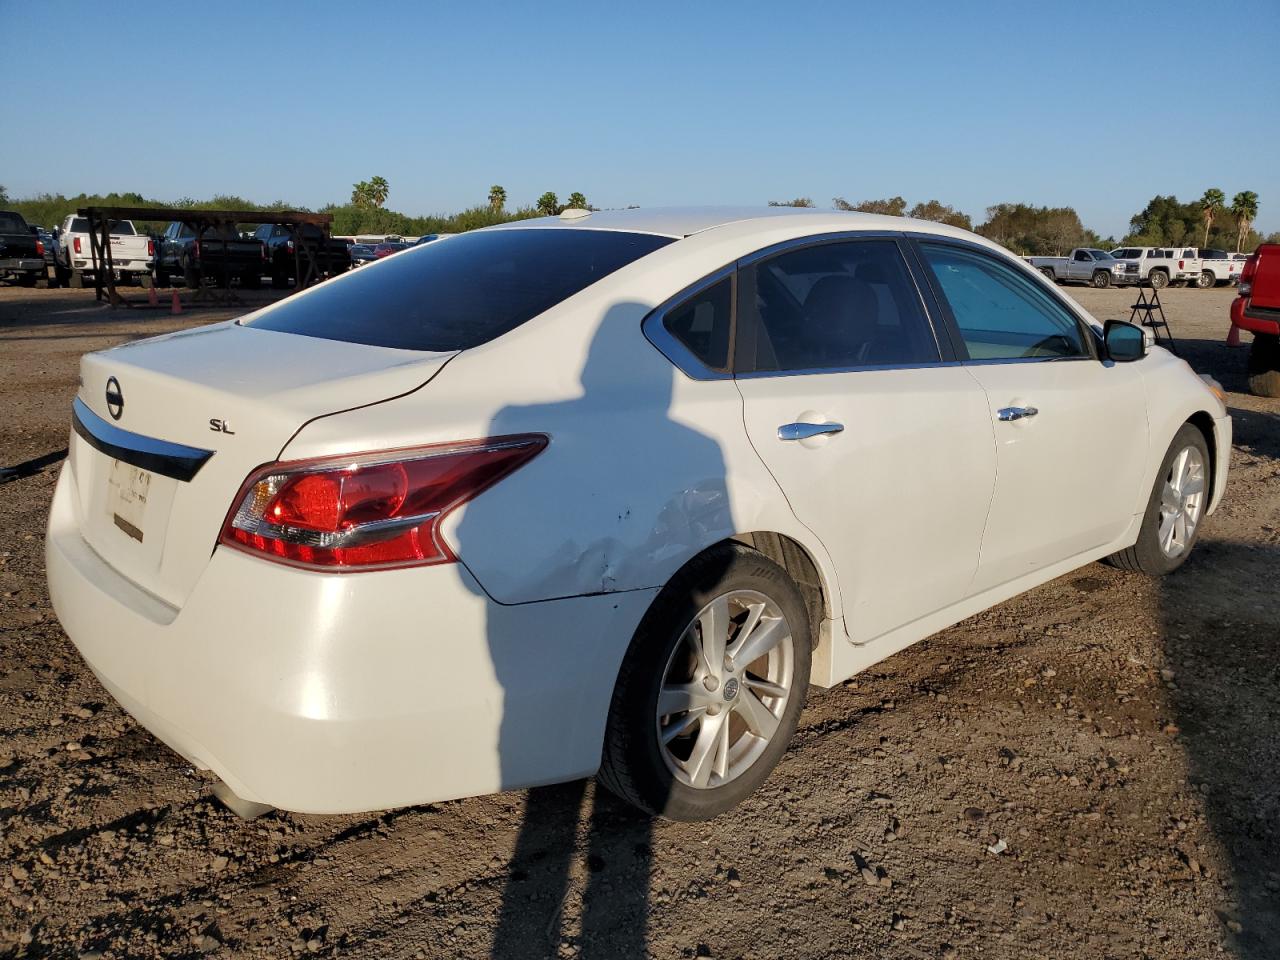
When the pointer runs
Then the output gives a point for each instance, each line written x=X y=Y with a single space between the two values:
x=1084 y=264
x=1218 y=268
x=1160 y=265
x=131 y=252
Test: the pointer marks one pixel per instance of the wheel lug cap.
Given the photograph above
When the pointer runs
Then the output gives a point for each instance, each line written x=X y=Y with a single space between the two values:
x=711 y=683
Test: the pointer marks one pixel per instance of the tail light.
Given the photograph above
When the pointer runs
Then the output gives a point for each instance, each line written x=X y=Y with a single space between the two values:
x=39 y=248
x=263 y=248
x=289 y=245
x=151 y=248
x=1245 y=287
x=1182 y=264
x=195 y=248
x=368 y=511
x=76 y=243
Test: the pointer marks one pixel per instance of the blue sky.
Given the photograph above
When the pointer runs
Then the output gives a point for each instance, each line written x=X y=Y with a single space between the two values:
x=1083 y=104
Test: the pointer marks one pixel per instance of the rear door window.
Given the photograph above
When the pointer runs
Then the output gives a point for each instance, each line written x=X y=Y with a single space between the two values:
x=460 y=294
x=832 y=306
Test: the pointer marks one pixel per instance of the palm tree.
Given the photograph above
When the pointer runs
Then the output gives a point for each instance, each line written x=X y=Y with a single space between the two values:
x=548 y=204
x=1212 y=201
x=497 y=198
x=1244 y=207
x=378 y=191
x=577 y=201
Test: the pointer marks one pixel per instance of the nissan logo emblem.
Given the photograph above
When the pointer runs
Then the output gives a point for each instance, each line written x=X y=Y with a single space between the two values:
x=115 y=399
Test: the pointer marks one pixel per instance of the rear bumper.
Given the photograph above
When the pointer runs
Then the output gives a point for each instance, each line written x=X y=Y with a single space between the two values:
x=329 y=693
x=23 y=264
x=1255 y=319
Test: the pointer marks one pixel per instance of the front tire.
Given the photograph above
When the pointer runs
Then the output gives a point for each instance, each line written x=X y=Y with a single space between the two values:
x=711 y=688
x=1101 y=279
x=1175 y=510
x=1264 y=365
x=1159 y=279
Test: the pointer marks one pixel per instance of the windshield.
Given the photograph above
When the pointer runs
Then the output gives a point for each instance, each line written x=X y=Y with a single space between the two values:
x=460 y=294
x=120 y=228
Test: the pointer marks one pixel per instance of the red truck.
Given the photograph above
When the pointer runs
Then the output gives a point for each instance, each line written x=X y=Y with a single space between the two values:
x=1257 y=309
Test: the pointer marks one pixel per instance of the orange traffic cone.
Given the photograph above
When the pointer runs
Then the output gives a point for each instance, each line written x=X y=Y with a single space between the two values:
x=177 y=304
x=151 y=297
x=1233 y=337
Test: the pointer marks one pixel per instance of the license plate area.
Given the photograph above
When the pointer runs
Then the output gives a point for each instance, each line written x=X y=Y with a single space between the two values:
x=127 y=490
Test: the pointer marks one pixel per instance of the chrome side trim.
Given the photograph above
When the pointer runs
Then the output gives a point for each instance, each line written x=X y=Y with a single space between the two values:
x=159 y=456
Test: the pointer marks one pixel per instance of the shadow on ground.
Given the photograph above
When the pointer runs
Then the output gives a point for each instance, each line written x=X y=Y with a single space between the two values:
x=1223 y=643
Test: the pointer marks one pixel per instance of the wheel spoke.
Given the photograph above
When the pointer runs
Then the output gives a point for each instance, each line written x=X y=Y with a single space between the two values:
x=722 y=750
x=1180 y=530
x=702 y=758
x=714 y=624
x=1169 y=498
x=1178 y=469
x=681 y=726
x=759 y=719
x=680 y=697
x=751 y=647
x=1193 y=484
x=764 y=686
x=1166 y=532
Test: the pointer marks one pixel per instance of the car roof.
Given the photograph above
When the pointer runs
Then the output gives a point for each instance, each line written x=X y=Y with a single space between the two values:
x=680 y=222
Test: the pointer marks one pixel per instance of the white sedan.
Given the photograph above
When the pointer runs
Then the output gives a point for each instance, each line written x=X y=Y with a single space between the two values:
x=602 y=492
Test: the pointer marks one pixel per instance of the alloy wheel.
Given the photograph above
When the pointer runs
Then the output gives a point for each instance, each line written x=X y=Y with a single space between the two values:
x=1181 y=502
x=725 y=688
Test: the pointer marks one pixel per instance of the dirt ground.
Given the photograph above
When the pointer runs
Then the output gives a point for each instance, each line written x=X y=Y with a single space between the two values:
x=1118 y=736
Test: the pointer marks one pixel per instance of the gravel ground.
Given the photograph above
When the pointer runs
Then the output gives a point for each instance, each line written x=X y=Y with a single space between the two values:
x=1113 y=736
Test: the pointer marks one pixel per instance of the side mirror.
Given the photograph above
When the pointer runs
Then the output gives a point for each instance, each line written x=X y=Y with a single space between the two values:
x=1124 y=341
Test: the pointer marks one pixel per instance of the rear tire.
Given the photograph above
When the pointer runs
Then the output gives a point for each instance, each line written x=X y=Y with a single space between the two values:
x=1156 y=552
x=161 y=278
x=1264 y=365
x=1101 y=279
x=1159 y=279
x=647 y=770
x=76 y=280
x=1205 y=280
x=1049 y=274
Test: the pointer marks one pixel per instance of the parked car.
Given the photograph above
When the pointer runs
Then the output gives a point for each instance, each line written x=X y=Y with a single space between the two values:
x=219 y=253
x=1217 y=268
x=1257 y=309
x=387 y=248
x=331 y=254
x=604 y=493
x=131 y=252
x=49 y=243
x=1095 y=267
x=360 y=254
x=1161 y=266
x=21 y=252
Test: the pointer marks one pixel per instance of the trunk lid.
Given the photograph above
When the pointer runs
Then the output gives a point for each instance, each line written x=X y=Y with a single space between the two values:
x=168 y=429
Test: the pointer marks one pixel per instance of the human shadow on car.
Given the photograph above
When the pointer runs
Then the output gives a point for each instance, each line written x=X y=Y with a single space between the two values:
x=1223 y=647
x=588 y=884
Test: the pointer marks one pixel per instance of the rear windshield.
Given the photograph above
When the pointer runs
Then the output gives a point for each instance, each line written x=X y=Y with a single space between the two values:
x=1214 y=255
x=121 y=228
x=12 y=223
x=460 y=294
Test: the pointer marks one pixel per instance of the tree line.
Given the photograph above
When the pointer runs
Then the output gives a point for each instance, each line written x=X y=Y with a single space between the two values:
x=1023 y=228
x=1045 y=231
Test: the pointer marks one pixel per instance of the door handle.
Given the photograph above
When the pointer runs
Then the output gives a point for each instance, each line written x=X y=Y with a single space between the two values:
x=1006 y=414
x=804 y=431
